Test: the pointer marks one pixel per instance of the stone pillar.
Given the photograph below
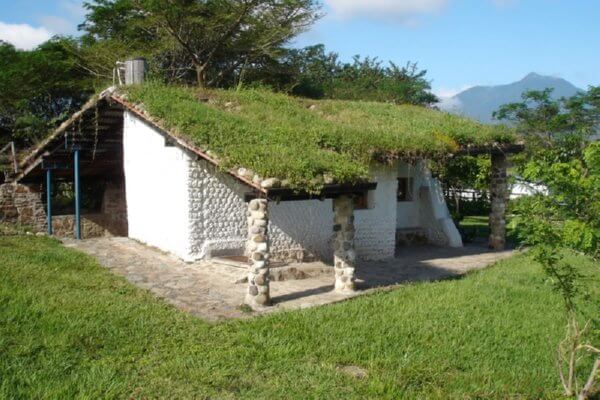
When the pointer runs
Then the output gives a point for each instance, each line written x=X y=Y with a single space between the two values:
x=258 y=250
x=498 y=200
x=344 y=256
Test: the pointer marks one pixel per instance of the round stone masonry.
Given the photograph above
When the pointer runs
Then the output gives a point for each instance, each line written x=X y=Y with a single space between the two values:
x=344 y=256
x=258 y=249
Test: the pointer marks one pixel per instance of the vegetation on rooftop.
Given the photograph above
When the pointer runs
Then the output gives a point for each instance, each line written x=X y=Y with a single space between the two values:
x=303 y=140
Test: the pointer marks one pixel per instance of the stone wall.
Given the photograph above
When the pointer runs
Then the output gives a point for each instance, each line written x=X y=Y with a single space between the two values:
x=111 y=221
x=22 y=204
x=298 y=230
x=217 y=209
x=376 y=226
x=92 y=225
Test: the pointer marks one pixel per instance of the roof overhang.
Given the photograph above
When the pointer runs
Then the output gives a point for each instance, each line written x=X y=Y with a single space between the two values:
x=496 y=148
x=327 y=192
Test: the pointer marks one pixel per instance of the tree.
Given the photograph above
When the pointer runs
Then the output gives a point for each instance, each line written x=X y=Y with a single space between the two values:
x=567 y=219
x=312 y=72
x=39 y=88
x=461 y=173
x=539 y=116
x=215 y=37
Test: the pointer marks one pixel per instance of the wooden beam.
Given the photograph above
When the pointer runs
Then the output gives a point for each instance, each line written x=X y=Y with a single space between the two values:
x=328 y=192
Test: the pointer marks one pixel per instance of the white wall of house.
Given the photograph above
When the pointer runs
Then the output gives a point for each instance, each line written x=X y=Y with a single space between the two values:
x=297 y=229
x=375 y=237
x=190 y=208
x=156 y=186
x=427 y=211
x=407 y=212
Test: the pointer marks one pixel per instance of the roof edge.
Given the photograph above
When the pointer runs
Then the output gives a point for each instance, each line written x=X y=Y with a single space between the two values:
x=182 y=143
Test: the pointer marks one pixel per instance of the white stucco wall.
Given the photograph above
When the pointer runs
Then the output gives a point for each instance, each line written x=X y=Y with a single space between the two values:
x=218 y=223
x=190 y=208
x=297 y=229
x=156 y=186
x=217 y=212
x=407 y=212
x=375 y=237
x=428 y=210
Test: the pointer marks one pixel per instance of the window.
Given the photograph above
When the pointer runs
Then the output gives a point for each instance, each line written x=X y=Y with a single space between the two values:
x=361 y=202
x=405 y=189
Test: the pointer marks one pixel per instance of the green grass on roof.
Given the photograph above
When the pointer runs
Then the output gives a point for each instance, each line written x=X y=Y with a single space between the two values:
x=302 y=140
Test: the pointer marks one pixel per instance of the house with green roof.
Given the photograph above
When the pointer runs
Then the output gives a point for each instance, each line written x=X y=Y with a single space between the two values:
x=254 y=175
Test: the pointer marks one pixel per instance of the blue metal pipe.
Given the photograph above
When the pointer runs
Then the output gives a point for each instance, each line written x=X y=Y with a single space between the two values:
x=49 y=199
x=77 y=189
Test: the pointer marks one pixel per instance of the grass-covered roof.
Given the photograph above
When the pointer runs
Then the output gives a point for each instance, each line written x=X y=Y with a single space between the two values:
x=303 y=141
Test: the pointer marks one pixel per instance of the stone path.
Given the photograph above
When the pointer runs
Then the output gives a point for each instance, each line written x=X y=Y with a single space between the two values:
x=215 y=291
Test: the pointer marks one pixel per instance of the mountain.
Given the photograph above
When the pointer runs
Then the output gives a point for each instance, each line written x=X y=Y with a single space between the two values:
x=480 y=102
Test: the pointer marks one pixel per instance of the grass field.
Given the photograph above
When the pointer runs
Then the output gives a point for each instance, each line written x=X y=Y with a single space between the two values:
x=69 y=329
x=475 y=226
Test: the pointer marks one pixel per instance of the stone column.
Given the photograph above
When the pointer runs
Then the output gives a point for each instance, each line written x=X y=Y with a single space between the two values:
x=343 y=243
x=258 y=250
x=498 y=200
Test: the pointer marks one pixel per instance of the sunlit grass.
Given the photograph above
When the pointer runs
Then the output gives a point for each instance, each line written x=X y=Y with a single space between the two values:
x=70 y=329
x=302 y=140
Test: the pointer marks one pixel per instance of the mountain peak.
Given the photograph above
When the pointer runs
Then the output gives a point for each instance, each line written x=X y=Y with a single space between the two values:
x=480 y=102
x=533 y=75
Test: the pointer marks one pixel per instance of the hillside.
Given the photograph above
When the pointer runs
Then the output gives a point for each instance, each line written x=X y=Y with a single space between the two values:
x=480 y=102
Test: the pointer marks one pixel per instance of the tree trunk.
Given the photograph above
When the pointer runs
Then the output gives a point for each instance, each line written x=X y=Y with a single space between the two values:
x=200 y=75
x=456 y=203
x=589 y=385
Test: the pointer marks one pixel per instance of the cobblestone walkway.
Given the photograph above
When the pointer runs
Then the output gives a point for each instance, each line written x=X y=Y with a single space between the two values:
x=214 y=291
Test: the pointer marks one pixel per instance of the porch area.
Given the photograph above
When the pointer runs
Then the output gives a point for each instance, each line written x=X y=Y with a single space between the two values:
x=214 y=290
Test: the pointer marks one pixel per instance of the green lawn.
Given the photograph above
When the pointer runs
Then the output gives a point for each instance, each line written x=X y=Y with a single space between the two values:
x=475 y=226
x=69 y=329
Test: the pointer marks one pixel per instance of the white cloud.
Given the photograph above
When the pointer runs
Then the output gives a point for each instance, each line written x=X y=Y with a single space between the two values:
x=447 y=100
x=57 y=24
x=451 y=92
x=450 y=104
x=72 y=14
x=403 y=11
x=24 y=36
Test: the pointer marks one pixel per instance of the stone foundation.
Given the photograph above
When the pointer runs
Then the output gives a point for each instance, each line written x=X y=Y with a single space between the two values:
x=344 y=256
x=91 y=226
x=258 y=248
x=22 y=204
x=499 y=199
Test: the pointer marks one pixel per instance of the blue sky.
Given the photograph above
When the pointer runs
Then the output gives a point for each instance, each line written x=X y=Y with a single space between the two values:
x=460 y=42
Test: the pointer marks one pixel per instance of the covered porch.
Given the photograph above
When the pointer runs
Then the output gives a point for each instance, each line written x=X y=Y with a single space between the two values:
x=349 y=275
